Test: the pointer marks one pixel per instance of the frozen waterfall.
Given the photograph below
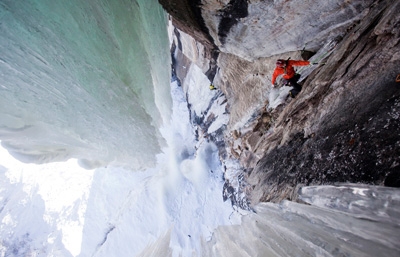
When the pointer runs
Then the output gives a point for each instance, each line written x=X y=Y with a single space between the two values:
x=83 y=79
x=90 y=81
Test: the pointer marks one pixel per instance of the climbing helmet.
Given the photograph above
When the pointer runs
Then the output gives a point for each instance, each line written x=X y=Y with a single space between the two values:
x=280 y=63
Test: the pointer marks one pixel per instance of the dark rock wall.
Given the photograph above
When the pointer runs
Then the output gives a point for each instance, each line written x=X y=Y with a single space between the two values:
x=230 y=15
x=353 y=106
x=186 y=15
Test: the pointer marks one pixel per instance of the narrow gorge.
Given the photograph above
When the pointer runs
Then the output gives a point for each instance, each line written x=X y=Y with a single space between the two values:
x=152 y=128
x=344 y=125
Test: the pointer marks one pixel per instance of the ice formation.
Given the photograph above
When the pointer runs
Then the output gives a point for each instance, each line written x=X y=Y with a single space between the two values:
x=91 y=81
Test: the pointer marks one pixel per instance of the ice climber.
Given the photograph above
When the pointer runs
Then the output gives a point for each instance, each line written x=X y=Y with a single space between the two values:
x=290 y=77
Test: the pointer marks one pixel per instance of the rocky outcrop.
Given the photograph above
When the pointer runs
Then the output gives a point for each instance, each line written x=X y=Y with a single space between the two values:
x=342 y=127
x=266 y=27
x=256 y=28
x=187 y=17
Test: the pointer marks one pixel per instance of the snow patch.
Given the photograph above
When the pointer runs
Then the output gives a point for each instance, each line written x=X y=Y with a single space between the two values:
x=278 y=96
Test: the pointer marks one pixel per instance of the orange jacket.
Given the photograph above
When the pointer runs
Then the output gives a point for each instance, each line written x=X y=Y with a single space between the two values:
x=288 y=71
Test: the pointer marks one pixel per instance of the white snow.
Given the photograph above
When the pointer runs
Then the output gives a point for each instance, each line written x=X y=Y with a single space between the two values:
x=219 y=110
x=62 y=189
x=277 y=96
x=197 y=88
x=104 y=210
x=200 y=97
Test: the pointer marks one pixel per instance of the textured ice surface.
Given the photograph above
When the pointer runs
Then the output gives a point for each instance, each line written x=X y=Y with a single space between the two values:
x=381 y=204
x=86 y=80
x=328 y=227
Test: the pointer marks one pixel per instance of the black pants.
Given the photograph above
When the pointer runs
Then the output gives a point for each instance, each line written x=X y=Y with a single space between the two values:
x=293 y=83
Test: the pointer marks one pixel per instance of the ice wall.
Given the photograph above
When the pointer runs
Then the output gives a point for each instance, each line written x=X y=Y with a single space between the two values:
x=344 y=220
x=83 y=79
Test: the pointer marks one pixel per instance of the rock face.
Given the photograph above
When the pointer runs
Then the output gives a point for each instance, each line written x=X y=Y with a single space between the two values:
x=344 y=124
x=187 y=17
x=254 y=29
